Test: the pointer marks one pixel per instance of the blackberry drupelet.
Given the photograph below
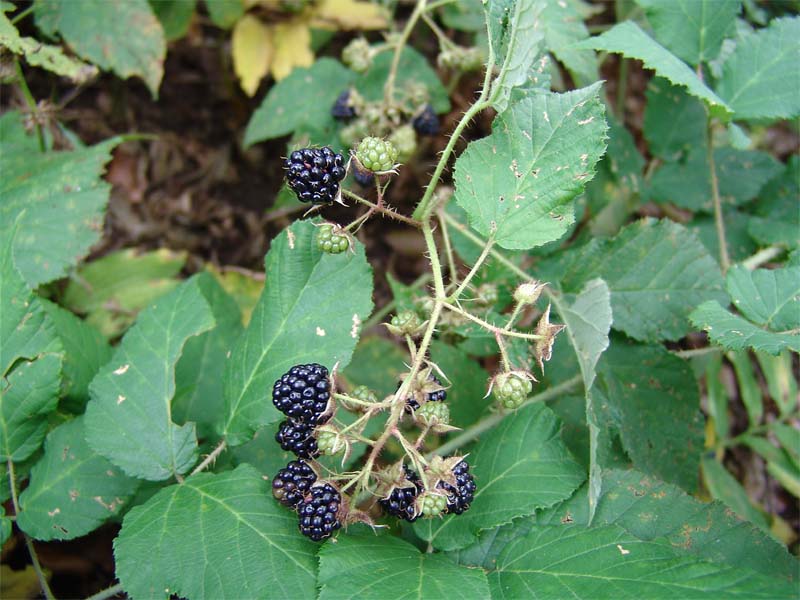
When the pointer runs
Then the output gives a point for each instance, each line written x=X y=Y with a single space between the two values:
x=426 y=122
x=319 y=512
x=400 y=503
x=460 y=497
x=314 y=174
x=298 y=437
x=436 y=396
x=342 y=109
x=293 y=482
x=303 y=393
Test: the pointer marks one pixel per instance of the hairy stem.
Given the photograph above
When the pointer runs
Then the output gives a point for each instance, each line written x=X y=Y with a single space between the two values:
x=381 y=209
x=762 y=256
x=719 y=221
x=484 y=253
x=448 y=248
x=220 y=448
x=109 y=592
x=388 y=89
x=492 y=328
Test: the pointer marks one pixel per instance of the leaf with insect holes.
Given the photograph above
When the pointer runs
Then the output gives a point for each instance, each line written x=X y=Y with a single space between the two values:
x=311 y=310
x=517 y=185
x=62 y=200
x=769 y=303
x=129 y=417
x=30 y=360
x=72 y=489
x=100 y=32
x=628 y=39
x=519 y=467
x=760 y=80
x=573 y=561
x=515 y=34
x=215 y=536
x=364 y=565
x=693 y=30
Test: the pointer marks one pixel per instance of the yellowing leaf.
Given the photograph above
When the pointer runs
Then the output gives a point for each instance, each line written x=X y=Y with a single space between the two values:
x=252 y=52
x=349 y=14
x=292 y=46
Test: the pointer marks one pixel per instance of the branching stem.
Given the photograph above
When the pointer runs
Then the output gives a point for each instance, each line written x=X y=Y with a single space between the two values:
x=219 y=449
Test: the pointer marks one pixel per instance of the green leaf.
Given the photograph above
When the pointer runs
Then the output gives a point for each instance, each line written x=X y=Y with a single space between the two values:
x=749 y=389
x=63 y=200
x=776 y=219
x=72 y=489
x=100 y=32
x=667 y=105
x=780 y=380
x=563 y=26
x=85 y=351
x=311 y=310
x=657 y=272
x=303 y=99
x=629 y=40
x=48 y=57
x=588 y=320
x=737 y=238
x=724 y=487
x=129 y=418
x=653 y=399
x=520 y=466
x=579 y=562
x=225 y=13
x=215 y=536
x=413 y=67
x=198 y=374
x=110 y=291
x=760 y=79
x=14 y=137
x=30 y=363
x=175 y=16
x=517 y=185
x=378 y=364
x=5 y=526
x=366 y=566
x=514 y=35
x=693 y=30
x=770 y=307
x=467 y=384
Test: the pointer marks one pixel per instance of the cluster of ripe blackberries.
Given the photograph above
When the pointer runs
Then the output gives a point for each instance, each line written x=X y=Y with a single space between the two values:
x=314 y=174
x=303 y=394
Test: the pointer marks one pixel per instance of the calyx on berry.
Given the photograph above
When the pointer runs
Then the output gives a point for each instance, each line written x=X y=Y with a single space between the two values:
x=406 y=322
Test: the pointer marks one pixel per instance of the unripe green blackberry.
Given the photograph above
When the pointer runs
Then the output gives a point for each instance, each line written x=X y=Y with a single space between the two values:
x=461 y=58
x=486 y=294
x=331 y=239
x=358 y=55
x=431 y=504
x=404 y=139
x=376 y=155
x=433 y=413
x=511 y=389
x=362 y=393
x=330 y=442
x=406 y=322
x=354 y=131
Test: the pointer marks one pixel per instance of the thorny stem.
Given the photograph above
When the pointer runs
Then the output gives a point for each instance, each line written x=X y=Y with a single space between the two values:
x=451 y=263
x=22 y=15
x=109 y=592
x=724 y=259
x=220 y=448
x=486 y=249
x=488 y=422
x=501 y=345
x=388 y=90
x=517 y=309
x=381 y=209
x=12 y=484
x=492 y=328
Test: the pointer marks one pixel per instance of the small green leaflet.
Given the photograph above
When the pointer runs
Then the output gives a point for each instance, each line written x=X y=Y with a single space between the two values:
x=693 y=30
x=778 y=220
x=311 y=310
x=30 y=360
x=368 y=566
x=303 y=99
x=100 y=32
x=62 y=200
x=215 y=536
x=628 y=39
x=515 y=35
x=520 y=466
x=517 y=185
x=760 y=80
x=769 y=303
x=572 y=561
x=129 y=418
x=37 y=54
x=668 y=105
x=72 y=489
x=175 y=16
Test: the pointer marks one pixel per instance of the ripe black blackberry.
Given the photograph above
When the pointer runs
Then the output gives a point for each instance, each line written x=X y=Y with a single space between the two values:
x=342 y=109
x=363 y=177
x=426 y=122
x=314 y=174
x=400 y=503
x=293 y=482
x=303 y=393
x=460 y=496
x=298 y=437
x=434 y=396
x=319 y=512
